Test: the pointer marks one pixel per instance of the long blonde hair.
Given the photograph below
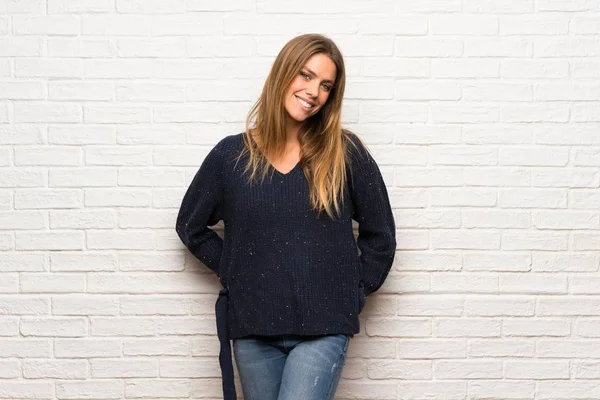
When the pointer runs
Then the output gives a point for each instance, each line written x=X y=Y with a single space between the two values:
x=322 y=139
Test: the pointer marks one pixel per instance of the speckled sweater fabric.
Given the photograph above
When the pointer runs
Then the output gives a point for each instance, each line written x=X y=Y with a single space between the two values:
x=285 y=269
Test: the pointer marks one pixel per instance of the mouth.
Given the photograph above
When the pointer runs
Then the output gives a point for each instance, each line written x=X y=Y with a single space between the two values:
x=304 y=104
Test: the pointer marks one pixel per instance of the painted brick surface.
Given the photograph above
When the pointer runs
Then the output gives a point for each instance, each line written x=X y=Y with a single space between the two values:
x=484 y=117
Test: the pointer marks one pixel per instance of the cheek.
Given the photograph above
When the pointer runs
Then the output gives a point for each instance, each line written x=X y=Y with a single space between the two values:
x=323 y=99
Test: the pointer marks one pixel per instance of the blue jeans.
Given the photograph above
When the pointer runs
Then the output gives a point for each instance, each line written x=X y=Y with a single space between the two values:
x=290 y=367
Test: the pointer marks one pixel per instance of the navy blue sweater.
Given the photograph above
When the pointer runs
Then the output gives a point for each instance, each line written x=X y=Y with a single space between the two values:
x=284 y=268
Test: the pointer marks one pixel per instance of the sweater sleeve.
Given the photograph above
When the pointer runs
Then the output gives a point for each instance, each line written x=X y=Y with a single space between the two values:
x=372 y=210
x=201 y=208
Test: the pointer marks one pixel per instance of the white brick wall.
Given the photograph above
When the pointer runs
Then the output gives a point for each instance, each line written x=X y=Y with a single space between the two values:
x=484 y=116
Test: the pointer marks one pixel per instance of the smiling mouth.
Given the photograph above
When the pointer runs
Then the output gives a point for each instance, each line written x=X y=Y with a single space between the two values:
x=304 y=104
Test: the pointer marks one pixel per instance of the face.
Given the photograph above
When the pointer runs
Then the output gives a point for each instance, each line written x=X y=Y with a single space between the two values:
x=310 y=89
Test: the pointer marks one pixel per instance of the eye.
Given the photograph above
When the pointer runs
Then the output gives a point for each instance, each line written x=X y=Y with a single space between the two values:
x=327 y=87
x=304 y=74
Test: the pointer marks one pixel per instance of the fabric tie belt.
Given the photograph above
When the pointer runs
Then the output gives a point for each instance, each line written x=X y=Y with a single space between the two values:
x=225 y=350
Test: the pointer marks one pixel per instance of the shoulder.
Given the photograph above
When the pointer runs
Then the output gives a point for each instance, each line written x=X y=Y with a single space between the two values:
x=355 y=147
x=226 y=147
x=229 y=142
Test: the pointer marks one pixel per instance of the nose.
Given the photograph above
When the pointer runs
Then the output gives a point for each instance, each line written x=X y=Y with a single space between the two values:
x=312 y=90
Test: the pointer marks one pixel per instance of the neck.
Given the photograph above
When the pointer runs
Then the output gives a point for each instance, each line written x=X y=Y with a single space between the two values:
x=292 y=129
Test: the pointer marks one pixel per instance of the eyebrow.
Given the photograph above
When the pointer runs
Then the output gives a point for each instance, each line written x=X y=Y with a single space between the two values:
x=312 y=72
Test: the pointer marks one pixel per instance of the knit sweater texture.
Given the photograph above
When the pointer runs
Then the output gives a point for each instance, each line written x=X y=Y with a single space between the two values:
x=284 y=268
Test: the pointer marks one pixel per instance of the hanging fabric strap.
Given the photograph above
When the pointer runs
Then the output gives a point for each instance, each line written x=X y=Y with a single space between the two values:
x=225 y=359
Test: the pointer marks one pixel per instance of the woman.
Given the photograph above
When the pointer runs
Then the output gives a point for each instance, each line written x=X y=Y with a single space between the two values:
x=293 y=280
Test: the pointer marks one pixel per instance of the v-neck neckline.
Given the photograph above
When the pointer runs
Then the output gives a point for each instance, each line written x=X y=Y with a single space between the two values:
x=287 y=173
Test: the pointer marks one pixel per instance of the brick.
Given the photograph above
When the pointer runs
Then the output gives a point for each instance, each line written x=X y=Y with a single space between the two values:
x=111 y=239
x=150 y=7
x=91 y=389
x=564 y=262
x=121 y=114
x=21 y=47
x=21 y=133
x=498 y=47
x=571 y=305
x=157 y=47
x=467 y=327
x=172 y=388
x=532 y=24
x=533 y=283
x=144 y=261
x=501 y=347
x=9 y=326
x=398 y=327
x=566 y=220
x=568 y=348
x=162 y=347
x=54 y=327
x=62 y=240
x=494 y=261
x=22 y=220
x=46 y=25
x=465 y=239
x=87 y=348
x=81 y=135
x=427 y=47
x=109 y=197
x=49 y=68
x=19 y=261
x=117 y=156
x=456 y=24
x=571 y=178
x=149 y=283
x=81 y=91
x=496 y=219
x=49 y=156
x=65 y=47
x=494 y=306
x=535 y=327
x=21 y=177
x=25 y=348
x=85 y=261
x=85 y=305
x=467 y=369
x=507 y=389
x=83 y=219
x=10 y=369
x=405 y=369
x=55 y=369
x=29 y=390
x=22 y=91
x=124 y=368
x=149 y=305
x=577 y=389
x=52 y=283
x=83 y=177
x=38 y=112
x=79 y=6
x=151 y=177
x=200 y=367
x=450 y=282
x=532 y=198
x=416 y=305
x=534 y=240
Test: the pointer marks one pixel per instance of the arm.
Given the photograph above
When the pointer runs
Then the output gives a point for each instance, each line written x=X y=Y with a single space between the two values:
x=201 y=208
x=372 y=210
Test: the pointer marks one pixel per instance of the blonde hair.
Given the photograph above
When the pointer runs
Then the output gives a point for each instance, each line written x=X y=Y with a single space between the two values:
x=322 y=139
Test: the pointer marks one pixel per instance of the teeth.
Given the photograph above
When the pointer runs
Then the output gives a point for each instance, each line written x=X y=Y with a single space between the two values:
x=305 y=104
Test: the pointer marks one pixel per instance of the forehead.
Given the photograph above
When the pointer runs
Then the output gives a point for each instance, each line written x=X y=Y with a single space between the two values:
x=322 y=65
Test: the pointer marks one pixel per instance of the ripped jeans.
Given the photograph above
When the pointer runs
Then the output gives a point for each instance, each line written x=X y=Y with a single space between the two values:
x=290 y=367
